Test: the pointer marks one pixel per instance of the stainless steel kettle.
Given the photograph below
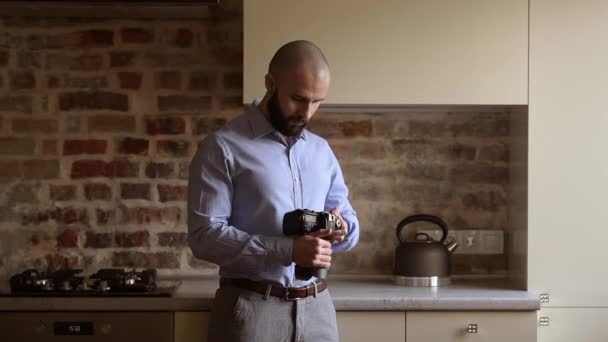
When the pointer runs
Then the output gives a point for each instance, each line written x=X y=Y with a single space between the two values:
x=423 y=261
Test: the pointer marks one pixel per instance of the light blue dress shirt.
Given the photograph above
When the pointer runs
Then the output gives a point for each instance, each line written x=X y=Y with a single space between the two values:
x=243 y=179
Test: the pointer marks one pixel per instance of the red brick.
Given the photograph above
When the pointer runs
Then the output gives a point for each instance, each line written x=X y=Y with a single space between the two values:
x=40 y=169
x=497 y=153
x=93 y=100
x=62 y=192
x=133 y=146
x=231 y=102
x=168 y=80
x=97 y=191
x=111 y=123
x=146 y=215
x=72 y=40
x=168 y=193
x=4 y=57
x=67 y=239
x=183 y=38
x=483 y=125
x=22 y=80
x=60 y=215
x=491 y=201
x=202 y=80
x=31 y=126
x=49 y=147
x=15 y=147
x=172 y=239
x=105 y=217
x=165 y=125
x=134 y=191
x=16 y=104
x=123 y=168
x=480 y=174
x=207 y=125
x=233 y=80
x=137 y=35
x=121 y=58
x=10 y=169
x=91 y=146
x=89 y=168
x=145 y=260
x=129 y=80
x=68 y=62
x=98 y=240
x=87 y=63
x=57 y=262
x=135 y=239
x=159 y=170
x=98 y=168
x=29 y=59
x=173 y=148
x=70 y=215
x=356 y=128
x=184 y=103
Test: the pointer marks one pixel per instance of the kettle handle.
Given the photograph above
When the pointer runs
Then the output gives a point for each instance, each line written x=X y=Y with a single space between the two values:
x=423 y=217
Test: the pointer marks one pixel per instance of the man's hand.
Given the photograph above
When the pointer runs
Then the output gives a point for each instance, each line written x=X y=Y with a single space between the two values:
x=339 y=234
x=312 y=251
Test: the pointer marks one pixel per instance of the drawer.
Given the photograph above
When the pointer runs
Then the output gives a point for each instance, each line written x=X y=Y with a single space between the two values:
x=486 y=326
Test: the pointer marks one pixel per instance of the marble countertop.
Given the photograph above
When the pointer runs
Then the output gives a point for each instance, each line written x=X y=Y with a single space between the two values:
x=349 y=292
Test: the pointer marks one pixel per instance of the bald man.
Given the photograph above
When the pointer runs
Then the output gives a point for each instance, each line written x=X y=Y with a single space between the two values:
x=243 y=179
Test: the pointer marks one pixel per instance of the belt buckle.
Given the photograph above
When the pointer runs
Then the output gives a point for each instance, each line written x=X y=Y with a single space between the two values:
x=286 y=296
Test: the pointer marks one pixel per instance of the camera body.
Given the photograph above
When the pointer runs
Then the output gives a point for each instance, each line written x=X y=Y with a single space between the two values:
x=306 y=221
x=303 y=222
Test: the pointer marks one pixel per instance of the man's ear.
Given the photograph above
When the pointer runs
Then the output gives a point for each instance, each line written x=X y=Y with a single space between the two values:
x=270 y=83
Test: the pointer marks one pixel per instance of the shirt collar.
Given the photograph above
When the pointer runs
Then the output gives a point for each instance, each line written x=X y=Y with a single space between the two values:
x=260 y=125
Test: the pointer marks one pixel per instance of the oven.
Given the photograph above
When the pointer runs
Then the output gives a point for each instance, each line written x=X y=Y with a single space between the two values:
x=86 y=326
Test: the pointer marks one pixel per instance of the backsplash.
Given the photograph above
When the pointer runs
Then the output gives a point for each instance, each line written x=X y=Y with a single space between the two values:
x=99 y=120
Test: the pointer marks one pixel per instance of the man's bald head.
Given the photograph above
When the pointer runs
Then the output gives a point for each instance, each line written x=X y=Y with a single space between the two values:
x=299 y=53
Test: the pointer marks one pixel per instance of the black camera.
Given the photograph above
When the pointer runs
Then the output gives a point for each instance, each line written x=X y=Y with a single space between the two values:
x=303 y=222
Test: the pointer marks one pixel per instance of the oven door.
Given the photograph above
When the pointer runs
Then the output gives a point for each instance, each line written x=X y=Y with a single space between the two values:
x=86 y=326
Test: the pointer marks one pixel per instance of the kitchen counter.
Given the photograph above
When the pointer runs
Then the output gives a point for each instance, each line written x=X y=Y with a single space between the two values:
x=350 y=293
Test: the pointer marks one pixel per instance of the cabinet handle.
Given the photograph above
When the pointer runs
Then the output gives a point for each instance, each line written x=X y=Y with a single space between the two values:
x=472 y=328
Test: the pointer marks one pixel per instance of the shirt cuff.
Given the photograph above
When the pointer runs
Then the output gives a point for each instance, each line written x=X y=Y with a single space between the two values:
x=279 y=248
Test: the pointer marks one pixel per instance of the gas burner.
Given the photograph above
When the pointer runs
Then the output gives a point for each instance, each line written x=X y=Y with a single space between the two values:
x=104 y=282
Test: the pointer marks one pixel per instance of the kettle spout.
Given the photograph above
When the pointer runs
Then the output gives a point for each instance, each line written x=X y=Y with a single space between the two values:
x=451 y=246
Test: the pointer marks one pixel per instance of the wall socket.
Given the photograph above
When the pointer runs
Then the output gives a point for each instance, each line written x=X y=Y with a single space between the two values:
x=473 y=241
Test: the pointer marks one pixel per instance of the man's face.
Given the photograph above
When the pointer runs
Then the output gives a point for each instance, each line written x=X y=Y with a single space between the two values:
x=295 y=100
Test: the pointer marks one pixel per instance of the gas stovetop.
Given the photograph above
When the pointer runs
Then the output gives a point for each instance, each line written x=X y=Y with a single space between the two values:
x=105 y=282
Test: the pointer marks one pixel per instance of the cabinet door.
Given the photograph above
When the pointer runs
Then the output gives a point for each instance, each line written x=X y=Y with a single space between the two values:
x=568 y=141
x=399 y=52
x=468 y=326
x=191 y=326
x=371 y=326
x=573 y=324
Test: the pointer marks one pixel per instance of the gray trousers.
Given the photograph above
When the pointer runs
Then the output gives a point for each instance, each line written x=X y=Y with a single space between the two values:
x=239 y=315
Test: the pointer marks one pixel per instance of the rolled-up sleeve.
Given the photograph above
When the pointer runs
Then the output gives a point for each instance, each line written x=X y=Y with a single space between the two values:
x=210 y=192
x=337 y=197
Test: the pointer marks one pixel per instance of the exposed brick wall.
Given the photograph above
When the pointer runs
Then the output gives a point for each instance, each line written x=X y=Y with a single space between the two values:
x=99 y=119
x=98 y=122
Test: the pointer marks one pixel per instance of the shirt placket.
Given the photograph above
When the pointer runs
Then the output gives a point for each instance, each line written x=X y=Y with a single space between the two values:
x=295 y=177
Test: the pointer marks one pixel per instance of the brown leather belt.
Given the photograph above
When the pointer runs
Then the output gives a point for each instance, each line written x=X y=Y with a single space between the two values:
x=287 y=293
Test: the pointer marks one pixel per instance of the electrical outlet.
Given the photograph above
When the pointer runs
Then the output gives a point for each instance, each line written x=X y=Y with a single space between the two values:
x=473 y=241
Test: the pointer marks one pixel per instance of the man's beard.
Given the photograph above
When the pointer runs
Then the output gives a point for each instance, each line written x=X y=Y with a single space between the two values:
x=289 y=127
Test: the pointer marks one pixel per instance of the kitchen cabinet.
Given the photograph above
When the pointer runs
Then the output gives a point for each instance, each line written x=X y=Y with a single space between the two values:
x=573 y=324
x=191 y=326
x=568 y=168
x=399 y=52
x=362 y=326
x=471 y=326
